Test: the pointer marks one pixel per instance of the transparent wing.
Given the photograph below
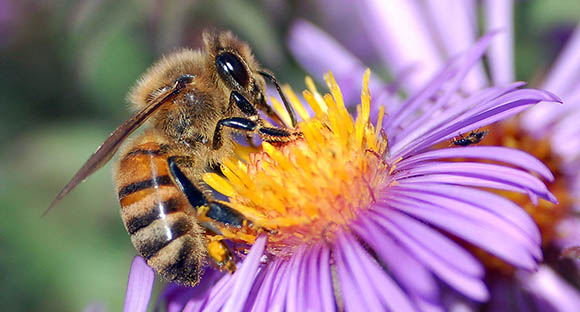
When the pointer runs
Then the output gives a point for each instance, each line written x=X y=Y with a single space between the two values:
x=106 y=151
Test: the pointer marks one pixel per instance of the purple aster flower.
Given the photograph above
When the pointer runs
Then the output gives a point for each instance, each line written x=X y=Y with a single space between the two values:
x=367 y=216
x=421 y=35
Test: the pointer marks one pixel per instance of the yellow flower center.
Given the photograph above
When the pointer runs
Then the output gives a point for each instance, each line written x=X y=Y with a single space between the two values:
x=305 y=191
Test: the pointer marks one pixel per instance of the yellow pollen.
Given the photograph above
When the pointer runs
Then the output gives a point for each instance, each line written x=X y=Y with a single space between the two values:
x=303 y=192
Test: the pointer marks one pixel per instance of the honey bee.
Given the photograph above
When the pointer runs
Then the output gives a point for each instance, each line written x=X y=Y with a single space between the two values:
x=473 y=138
x=195 y=101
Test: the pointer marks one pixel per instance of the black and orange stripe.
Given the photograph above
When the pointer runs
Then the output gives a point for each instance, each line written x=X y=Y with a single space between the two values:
x=157 y=214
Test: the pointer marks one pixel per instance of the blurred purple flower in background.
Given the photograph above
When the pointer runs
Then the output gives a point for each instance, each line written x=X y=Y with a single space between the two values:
x=412 y=39
x=378 y=237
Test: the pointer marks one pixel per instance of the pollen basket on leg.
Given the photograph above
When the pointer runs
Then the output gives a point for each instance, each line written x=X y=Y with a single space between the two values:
x=304 y=191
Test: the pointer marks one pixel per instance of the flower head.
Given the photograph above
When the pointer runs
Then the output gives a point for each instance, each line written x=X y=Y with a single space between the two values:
x=358 y=215
x=435 y=31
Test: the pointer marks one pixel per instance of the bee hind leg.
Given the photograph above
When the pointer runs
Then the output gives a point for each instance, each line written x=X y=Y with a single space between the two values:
x=212 y=215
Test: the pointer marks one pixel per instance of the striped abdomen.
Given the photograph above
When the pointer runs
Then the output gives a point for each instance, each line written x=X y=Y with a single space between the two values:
x=157 y=215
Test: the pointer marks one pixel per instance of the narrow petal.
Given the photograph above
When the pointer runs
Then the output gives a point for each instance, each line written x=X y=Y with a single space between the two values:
x=499 y=16
x=546 y=285
x=509 y=105
x=280 y=293
x=358 y=273
x=384 y=287
x=311 y=289
x=477 y=232
x=453 y=74
x=439 y=245
x=319 y=53
x=565 y=73
x=408 y=48
x=461 y=180
x=456 y=109
x=139 y=286
x=410 y=273
x=457 y=29
x=352 y=296
x=256 y=286
x=326 y=282
x=563 y=80
x=244 y=277
x=216 y=297
x=265 y=290
x=494 y=172
x=496 y=153
x=470 y=286
x=295 y=301
x=478 y=204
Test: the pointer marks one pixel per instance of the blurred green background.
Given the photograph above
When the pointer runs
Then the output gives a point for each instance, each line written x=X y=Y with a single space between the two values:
x=65 y=67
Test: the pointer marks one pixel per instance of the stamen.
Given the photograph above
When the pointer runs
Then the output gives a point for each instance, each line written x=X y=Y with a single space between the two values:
x=304 y=191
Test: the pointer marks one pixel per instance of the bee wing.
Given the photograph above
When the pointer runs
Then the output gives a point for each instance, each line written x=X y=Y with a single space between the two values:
x=106 y=151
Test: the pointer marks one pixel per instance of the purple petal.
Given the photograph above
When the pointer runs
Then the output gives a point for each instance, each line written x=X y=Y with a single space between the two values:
x=384 y=287
x=456 y=109
x=275 y=273
x=402 y=48
x=294 y=299
x=256 y=287
x=455 y=71
x=470 y=286
x=438 y=244
x=563 y=80
x=478 y=232
x=176 y=297
x=457 y=29
x=362 y=281
x=411 y=274
x=318 y=53
x=568 y=232
x=565 y=74
x=311 y=291
x=460 y=180
x=479 y=205
x=266 y=287
x=352 y=295
x=216 y=297
x=139 y=286
x=499 y=16
x=510 y=105
x=549 y=287
x=493 y=172
x=496 y=153
x=279 y=295
x=326 y=283
x=245 y=276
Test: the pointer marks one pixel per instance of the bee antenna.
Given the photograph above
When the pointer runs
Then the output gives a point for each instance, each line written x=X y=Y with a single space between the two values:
x=289 y=109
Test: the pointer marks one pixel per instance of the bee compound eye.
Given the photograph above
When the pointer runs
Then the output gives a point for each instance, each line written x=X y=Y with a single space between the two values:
x=230 y=65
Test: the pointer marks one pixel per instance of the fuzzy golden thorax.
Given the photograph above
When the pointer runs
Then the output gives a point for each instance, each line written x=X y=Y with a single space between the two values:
x=191 y=118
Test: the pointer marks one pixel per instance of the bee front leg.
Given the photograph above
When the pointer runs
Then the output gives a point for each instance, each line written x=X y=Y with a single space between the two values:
x=251 y=124
x=268 y=134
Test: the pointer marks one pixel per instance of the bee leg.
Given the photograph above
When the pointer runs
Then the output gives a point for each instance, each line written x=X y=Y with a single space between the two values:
x=212 y=214
x=215 y=210
x=221 y=254
x=268 y=134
